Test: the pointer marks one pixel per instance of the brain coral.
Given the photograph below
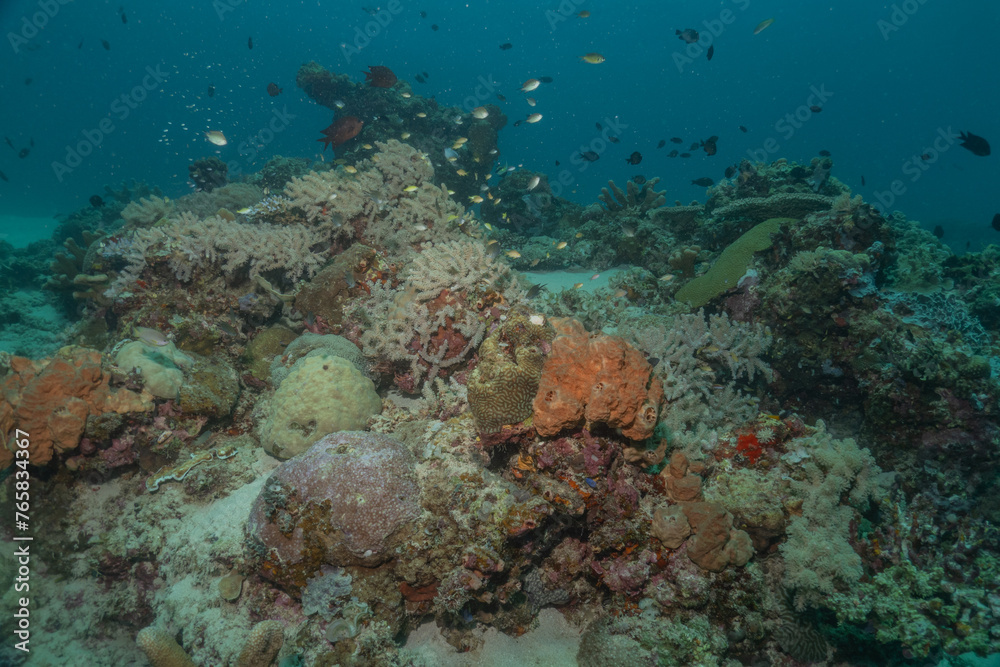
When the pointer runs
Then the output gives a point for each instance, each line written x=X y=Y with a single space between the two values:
x=351 y=499
x=591 y=378
x=323 y=394
x=503 y=385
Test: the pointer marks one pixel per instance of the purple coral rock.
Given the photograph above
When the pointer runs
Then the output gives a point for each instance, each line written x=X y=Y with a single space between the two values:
x=350 y=499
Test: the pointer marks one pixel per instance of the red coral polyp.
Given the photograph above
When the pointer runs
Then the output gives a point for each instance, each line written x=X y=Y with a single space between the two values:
x=747 y=445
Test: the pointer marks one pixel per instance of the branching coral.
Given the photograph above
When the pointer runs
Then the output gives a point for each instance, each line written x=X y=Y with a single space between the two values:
x=645 y=198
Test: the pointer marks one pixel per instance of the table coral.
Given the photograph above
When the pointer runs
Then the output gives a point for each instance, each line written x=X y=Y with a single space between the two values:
x=51 y=399
x=591 y=378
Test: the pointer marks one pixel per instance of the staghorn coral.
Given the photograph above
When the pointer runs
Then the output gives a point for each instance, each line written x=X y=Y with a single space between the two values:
x=645 y=198
x=730 y=265
x=590 y=378
x=503 y=385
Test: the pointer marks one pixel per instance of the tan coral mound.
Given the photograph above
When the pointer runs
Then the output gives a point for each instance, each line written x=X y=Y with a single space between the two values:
x=591 y=378
x=50 y=400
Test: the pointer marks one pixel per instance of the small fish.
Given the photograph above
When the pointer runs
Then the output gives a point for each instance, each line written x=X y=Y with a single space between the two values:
x=420 y=79
x=615 y=140
x=28 y=81
x=531 y=101
x=577 y=285
x=533 y=118
x=561 y=245
x=367 y=147
x=591 y=483
x=104 y=43
x=480 y=112
x=595 y=276
x=762 y=26
x=501 y=97
x=96 y=201
x=216 y=137
x=513 y=254
x=711 y=51
x=862 y=179
x=121 y=10
x=410 y=188
x=339 y=104
x=476 y=199
x=996 y=222
x=405 y=95
x=530 y=85
x=667 y=277
x=743 y=129
x=704 y=181
x=420 y=227
x=151 y=336
x=350 y=169
x=434 y=27
x=80 y=45
x=676 y=140
x=825 y=153
x=211 y=90
x=245 y=210
x=628 y=229
x=688 y=35
x=450 y=154
x=4 y=178
x=672 y=153
x=273 y=90
x=583 y=15
x=462 y=172
x=730 y=171
x=578 y=235
x=592 y=58
x=939 y=231
x=250 y=43
x=506 y=46
x=404 y=136
x=815 y=108
x=976 y=144
x=634 y=158
x=663 y=142
x=590 y=156
x=533 y=183
x=685 y=155
x=709 y=145
x=695 y=146
x=493 y=251
x=23 y=153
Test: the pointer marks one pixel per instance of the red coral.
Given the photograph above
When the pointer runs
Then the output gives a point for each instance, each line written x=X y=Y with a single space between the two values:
x=747 y=444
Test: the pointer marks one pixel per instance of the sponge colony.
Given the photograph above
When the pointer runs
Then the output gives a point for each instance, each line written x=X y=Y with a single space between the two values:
x=323 y=394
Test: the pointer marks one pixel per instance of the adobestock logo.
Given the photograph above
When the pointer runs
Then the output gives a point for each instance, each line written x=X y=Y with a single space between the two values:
x=32 y=25
x=363 y=36
x=899 y=16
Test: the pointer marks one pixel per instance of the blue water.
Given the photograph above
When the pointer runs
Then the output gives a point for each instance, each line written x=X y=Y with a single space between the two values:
x=891 y=90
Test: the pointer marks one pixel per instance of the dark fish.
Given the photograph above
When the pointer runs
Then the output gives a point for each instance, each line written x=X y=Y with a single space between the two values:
x=730 y=171
x=557 y=163
x=4 y=177
x=273 y=90
x=371 y=11
x=704 y=181
x=685 y=155
x=711 y=51
x=689 y=35
x=426 y=75
x=506 y=46
x=493 y=250
x=250 y=43
x=96 y=201
x=28 y=81
x=501 y=97
x=545 y=79
x=634 y=158
x=825 y=153
x=663 y=142
x=709 y=145
x=614 y=140
x=80 y=45
x=104 y=43
x=742 y=128
x=211 y=90
x=925 y=157
x=9 y=143
x=976 y=144
x=996 y=221
x=121 y=10
x=639 y=179
x=672 y=153
x=590 y=156
x=380 y=76
x=434 y=27
x=420 y=79
x=939 y=231
x=598 y=126
x=31 y=142
x=23 y=153
x=653 y=361
x=862 y=179
x=676 y=140
x=423 y=14
x=815 y=108
x=695 y=146
x=535 y=289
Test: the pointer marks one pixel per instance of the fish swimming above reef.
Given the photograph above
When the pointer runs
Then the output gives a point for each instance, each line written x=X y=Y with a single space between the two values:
x=592 y=58
x=974 y=143
x=743 y=129
x=996 y=222
x=216 y=137
x=250 y=43
x=939 y=231
x=96 y=201
x=4 y=178
x=673 y=153
x=151 y=336
x=121 y=10
x=676 y=140
x=23 y=153
x=273 y=90
x=380 y=76
x=663 y=142
x=341 y=130
x=590 y=156
x=634 y=158
x=711 y=51
x=824 y=153
x=704 y=181
x=506 y=46
x=762 y=26
x=211 y=90
x=688 y=35
x=106 y=45
x=709 y=145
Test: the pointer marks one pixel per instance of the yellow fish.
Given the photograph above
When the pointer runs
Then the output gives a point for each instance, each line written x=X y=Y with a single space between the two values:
x=513 y=253
x=350 y=170
x=489 y=226
x=421 y=115
x=476 y=199
x=410 y=188
x=593 y=58
x=561 y=245
x=407 y=95
x=462 y=172
x=579 y=235
x=480 y=112
x=405 y=135
x=367 y=147
x=533 y=118
x=216 y=137
x=578 y=286
x=530 y=85
x=762 y=26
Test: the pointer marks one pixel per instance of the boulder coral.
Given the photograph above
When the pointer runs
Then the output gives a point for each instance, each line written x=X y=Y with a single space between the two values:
x=51 y=399
x=351 y=499
x=593 y=378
